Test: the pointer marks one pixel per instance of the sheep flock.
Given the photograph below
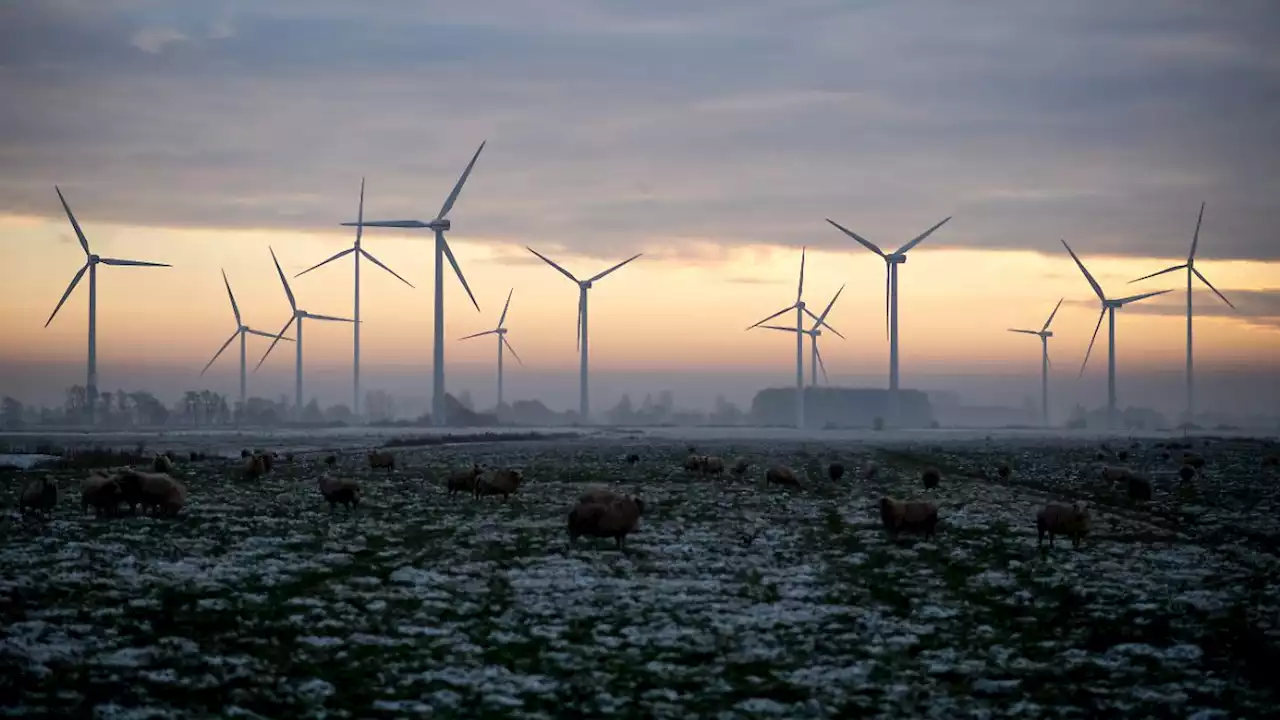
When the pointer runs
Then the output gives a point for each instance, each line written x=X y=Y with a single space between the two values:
x=632 y=576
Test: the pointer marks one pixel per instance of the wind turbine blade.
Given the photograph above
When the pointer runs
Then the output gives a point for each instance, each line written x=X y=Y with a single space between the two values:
x=922 y=236
x=861 y=240
x=458 y=271
x=457 y=189
x=778 y=327
x=387 y=224
x=819 y=322
x=1027 y=332
x=131 y=263
x=1094 y=283
x=504 y=307
x=259 y=333
x=330 y=318
x=234 y=307
x=783 y=310
x=84 y=242
x=1143 y=296
x=360 y=215
x=273 y=342
x=1205 y=280
x=65 y=295
x=548 y=261
x=888 y=277
x=615 y=267
x=224 y=347
x=344 y=253
x=292 y=303
x=1195 y=239
x=378 y=262
x=1091 y=341
x=821 y=365
x=578 y=342
x=1055 y=312
x=823 y=316
x=476 y=335
x=800 y=289
x=507 y=342
x=1155 y=274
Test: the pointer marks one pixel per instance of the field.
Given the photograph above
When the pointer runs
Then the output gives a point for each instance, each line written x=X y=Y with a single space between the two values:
x=732 y=600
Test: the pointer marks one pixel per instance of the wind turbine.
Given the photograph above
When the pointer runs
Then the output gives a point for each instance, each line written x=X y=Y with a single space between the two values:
x=583 y=287
x=501 y=332
x=799 y=330
x=1107 y=306
x=356 y=251
x=439 y=225
x=299 y=316
x=1044 y=334
x=813 y=333
x=91 y=264
x=891 y=263
x=241 y=331
x=1190 y=266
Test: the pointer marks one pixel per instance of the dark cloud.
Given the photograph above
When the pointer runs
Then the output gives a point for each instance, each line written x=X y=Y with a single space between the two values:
x=616 y=126
x=1255 y=307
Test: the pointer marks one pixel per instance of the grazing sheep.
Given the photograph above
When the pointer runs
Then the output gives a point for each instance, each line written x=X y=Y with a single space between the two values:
x=1138 y=488
x=254 y=467
x=1062 y=519
x=1003 y=470
x=39 y=495
x=602 y=513
x=162 y=464
x=1192 y=459
x=331 y=460
x=740 y=467
x=871 y=471
x=693 y=463
x=382 y=460
x=464 y=480
x=1186 y=472
x=914 y=516
x=101 y=492
x=339 y=490
x=155 y=492
x=712 y=465
x=931 y=478
x=268 y=461
x=781 y=475
x=1122 y=455
x=498 y=482
x=1115 y=474
x=245 y=453
x=632 y=459
x=835 y=471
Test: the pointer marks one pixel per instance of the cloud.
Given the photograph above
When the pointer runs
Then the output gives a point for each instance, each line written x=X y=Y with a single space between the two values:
x=154 y=39
x=1254 y=307
x=625 y=125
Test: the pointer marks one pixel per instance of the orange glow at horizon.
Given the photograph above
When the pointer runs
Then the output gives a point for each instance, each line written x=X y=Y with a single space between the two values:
x=657 y=313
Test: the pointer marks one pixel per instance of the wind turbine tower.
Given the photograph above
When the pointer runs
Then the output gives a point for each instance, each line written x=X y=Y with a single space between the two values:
x=1108 y=306
x=356 y=251
x=501 y=332
x=1190 y=266
x=891 y=263
x=584 y=405
x=91 y=264
x=298 y=315
x=439 y=225
x=241 y=331
x=1044 y=334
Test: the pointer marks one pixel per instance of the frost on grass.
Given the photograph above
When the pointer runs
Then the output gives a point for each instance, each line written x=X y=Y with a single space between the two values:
x=733 y=600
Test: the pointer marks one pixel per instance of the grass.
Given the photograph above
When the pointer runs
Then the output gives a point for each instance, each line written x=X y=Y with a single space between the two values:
x=259 y=598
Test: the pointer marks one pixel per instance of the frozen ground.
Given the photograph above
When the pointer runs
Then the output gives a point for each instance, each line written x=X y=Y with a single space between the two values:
x=732 y=600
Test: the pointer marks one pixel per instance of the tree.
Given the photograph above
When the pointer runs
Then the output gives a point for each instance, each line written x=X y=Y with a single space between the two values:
x=622 y=413
x=77 y=403
x=11 y=412
x=311 y=413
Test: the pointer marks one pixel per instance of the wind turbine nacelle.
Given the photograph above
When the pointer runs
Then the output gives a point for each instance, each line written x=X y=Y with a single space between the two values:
x=440 y=224
x=1046 y=334
x=897 y=258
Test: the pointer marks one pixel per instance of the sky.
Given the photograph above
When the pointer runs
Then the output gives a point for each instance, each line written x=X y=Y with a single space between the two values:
x=715 y=138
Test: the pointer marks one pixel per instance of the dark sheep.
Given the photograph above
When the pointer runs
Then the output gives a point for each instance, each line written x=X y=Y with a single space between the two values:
x=931 y=478
x=835 y=471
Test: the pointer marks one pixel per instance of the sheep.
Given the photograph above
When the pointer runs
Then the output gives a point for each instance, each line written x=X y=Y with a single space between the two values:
x=740 y=467
x=339 y=490
x=632 y=459
x=331 y=460
x=101 y=492
x=382 y=460
x=1003 y=470
x=913 y=516
x=153 y=491
x=268 y=461
x=39 y=495
x=871 y=471
x=1138 y=488
x=1062 y=519
x=1192 y=459
x=1115 y=474
x=931 y=478
x=1186 y=472
x=162 y=464
x=254 y=467
x=245 y=453
x=835 y=471
x=464 y=480
x=1122 y=455
x=602 y=513
x=693 y=463
x=781 y=475
x=498 y=482
x=712 y=465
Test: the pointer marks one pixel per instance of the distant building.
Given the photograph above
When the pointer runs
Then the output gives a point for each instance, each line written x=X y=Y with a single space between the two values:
x=840 y=407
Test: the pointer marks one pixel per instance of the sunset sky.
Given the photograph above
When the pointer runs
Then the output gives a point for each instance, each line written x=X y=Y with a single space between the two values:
x=714 y=140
